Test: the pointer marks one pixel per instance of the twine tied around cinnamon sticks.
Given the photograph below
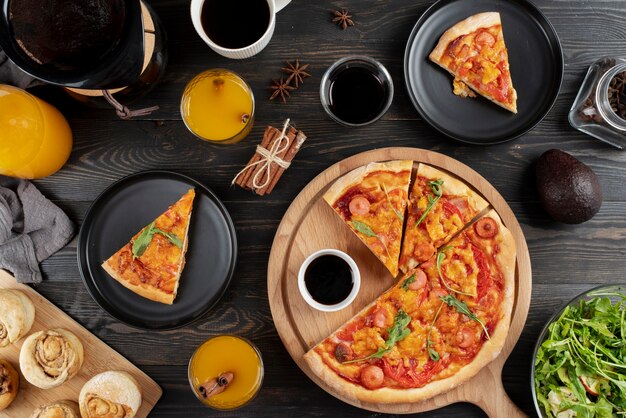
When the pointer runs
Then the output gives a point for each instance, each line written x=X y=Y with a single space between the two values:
x=271 y=158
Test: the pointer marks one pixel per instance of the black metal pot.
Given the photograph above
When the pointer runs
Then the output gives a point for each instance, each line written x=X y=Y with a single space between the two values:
x=118 y=67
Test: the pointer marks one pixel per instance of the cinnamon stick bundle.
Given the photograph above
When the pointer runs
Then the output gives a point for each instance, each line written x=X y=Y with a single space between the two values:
x=272 y=157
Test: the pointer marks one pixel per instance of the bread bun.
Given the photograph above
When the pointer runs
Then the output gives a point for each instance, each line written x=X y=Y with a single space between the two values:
x=17 y=314
x=58 y=409
x=110 y=394
x=50 y=358
x=9 y=384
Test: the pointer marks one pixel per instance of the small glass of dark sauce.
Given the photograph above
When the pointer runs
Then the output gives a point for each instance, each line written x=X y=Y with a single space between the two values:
x=329 y=280
x=356 y=91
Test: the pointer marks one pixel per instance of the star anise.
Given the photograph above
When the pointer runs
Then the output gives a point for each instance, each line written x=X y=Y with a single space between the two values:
x=281 y=88
x=296 y=72
x=343 y=19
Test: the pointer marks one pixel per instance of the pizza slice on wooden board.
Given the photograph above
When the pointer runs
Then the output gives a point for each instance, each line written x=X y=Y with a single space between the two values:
x=424 y=336
x=371 y=200
x=151 y=263
x=474 y=52
x=439 y=207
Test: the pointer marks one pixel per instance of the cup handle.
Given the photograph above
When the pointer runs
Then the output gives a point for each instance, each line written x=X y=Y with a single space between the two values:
x=280 y=4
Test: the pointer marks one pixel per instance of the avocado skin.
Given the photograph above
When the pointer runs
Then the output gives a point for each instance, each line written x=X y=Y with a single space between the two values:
x=569 y=190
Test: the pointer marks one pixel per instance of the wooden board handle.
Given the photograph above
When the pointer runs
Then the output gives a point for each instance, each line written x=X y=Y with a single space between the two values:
x=492 y=398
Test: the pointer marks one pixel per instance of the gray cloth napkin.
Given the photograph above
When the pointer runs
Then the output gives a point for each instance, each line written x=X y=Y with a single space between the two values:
x=11 y=74
x=31 y=229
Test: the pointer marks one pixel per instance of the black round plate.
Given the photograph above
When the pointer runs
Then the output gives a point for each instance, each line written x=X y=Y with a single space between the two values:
x=132 y=203
x=535 y=58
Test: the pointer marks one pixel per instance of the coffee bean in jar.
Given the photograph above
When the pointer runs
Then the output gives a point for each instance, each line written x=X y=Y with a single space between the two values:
x=600 y=106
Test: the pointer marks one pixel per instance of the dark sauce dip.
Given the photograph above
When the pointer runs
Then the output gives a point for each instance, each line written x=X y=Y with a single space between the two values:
x=329 y=279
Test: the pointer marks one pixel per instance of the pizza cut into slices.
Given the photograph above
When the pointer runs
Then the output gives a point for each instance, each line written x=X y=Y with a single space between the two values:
x=151 y=263
x=371 y=200
x=435 y=329
x=439 y=207
x=474 y=52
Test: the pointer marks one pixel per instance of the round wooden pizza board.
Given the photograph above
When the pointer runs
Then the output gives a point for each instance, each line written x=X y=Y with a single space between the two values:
x=310 y=224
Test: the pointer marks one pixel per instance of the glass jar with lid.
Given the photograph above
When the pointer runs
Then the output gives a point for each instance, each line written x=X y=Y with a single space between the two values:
x=600 y=106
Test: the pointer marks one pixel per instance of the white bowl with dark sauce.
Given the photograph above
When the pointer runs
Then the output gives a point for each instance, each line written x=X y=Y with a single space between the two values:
x=329 y=280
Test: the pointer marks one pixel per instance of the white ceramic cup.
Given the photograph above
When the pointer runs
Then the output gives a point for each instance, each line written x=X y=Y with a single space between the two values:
x=356 y=280
x=240 y=53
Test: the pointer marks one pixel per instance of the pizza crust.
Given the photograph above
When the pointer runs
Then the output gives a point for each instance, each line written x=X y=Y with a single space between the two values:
x=464 y=27
x=454 y=186
x=355 y=177
x=151 y=293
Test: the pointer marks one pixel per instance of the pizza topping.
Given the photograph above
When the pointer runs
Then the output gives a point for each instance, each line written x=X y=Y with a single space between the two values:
x=484 y=38
x=343 y=352
x=419 y=281
x=380 y=318
x=140 y=244
x=432 y=353
x=397 y=333
x=461 y=307
x=396 y=211
x=359 y=205
x=364 y=229
x=440 y=257
x=466 y=338
x=436 y=188
x=486 y=227
x=372 y=377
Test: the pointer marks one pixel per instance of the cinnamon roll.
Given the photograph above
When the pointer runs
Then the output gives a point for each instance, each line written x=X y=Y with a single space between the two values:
x=110 y=395
x=17 y=314
x=50 y=358
x=9 y=384
x=58 y=409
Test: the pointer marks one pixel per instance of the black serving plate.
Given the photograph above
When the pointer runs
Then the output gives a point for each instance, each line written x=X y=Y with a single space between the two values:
x=125 y=208
x=535 y=58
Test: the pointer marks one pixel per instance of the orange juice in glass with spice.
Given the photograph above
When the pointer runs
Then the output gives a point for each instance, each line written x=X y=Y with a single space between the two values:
x=226 y=372
x=35 y=138
x=218 y=106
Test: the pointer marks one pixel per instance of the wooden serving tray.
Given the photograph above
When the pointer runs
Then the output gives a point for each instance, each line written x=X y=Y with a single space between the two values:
x=99 y=357
x=310 y=224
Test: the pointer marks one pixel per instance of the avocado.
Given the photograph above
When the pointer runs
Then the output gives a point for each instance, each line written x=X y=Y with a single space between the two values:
x=569 y=190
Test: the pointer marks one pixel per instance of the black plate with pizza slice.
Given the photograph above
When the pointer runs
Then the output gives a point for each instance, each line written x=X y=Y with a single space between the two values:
x=536 y=65
x=126 y=207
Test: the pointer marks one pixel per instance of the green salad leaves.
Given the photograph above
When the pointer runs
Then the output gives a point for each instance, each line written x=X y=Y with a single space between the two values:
x=581 y=366
x=398 y=332
x=140 y=244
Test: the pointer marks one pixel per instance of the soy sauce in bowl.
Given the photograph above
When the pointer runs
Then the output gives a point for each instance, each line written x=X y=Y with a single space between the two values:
x=329 y=279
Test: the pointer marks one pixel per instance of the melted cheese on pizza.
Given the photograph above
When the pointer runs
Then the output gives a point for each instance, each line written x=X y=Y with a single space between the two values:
x=380 y=227
x=480 y=58
x=455 y=337
x=442 y=221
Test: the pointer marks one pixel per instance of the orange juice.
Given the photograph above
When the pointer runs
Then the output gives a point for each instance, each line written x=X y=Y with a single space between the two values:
x=35 y=138
x=223 y=354
x=218 y=105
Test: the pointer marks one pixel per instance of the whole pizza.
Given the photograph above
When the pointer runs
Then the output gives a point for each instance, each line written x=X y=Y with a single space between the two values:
x=448 y=314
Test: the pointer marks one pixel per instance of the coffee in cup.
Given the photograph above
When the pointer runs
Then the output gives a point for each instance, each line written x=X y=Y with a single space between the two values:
x=236 y=28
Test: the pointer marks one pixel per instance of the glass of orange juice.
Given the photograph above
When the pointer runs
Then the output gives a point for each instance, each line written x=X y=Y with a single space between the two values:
x=218 y=106
x=226 y=372
x=35 y=138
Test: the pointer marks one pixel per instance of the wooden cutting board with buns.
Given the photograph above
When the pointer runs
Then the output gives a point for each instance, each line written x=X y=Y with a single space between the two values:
x=86 y=363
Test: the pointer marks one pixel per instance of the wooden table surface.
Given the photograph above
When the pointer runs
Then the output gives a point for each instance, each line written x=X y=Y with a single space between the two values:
x=565 y=259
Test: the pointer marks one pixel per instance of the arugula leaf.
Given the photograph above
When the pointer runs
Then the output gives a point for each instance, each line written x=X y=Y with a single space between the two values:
x=440 y=257
x=462 y=308
x=436 y=188
x=407 y=282
x=141 y=243
x=432 y=353
x=364 y=229
x=397 y=333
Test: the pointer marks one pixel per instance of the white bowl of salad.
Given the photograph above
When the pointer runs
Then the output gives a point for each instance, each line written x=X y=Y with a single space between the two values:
x=579 y=363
